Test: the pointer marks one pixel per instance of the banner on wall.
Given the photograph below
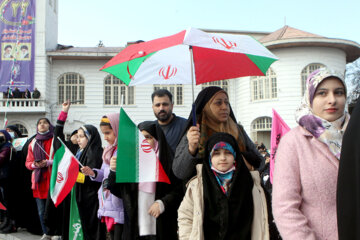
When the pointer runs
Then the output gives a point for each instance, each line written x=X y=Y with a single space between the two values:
x=17 y=44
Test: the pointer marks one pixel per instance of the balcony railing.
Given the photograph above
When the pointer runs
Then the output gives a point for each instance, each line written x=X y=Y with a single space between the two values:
x=22 y=105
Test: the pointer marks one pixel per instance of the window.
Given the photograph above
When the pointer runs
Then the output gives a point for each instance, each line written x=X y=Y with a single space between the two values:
x=306 y=72
x=264 y=87
x=262 y=124
x=22 y=129
x=221 y=83
x=175 y=89
x=116 y=93
x=71 y=86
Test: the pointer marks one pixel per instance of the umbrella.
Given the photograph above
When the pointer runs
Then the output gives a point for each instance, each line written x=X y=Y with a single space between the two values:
x=190 y=56
x=168 y=60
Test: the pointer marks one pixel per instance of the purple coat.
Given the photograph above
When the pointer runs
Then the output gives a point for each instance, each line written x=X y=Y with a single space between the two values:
x=109 y=205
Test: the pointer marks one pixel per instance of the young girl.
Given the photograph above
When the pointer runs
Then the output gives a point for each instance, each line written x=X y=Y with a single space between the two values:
x=89 y=154
x=150 y=207
x=220 y=202
x=39 y=162
x=57 y=218
x=111 y=210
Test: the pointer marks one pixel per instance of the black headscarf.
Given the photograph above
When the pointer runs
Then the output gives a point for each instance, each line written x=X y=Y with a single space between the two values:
x=93 y=150
x=86 y=193
x=227 y=216
x=201 y=100
x=348 y=188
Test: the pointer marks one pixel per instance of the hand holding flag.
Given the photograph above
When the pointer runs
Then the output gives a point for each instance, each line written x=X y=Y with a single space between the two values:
x=64 y=173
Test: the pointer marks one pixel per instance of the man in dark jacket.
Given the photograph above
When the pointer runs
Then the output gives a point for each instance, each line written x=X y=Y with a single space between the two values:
x=36 y=94
x=172 y=125
x=17 y=94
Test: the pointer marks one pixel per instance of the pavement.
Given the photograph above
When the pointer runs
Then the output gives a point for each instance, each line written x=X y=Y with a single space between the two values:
x=21 y=234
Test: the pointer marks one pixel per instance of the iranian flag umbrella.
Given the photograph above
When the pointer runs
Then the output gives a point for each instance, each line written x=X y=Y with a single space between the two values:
x=211 y=57
x=190 y=56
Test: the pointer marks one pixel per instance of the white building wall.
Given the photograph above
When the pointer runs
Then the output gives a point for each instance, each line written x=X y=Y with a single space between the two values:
x=288 y=72
x=94 y=108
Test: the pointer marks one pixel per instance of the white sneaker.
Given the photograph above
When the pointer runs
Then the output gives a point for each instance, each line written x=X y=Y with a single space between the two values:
x=56 y=238
x=45 y=237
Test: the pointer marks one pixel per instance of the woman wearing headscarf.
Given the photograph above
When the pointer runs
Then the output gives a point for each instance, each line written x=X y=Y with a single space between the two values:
x=89 y=154
x=219 y=201
x=14 y=181
x=348 y=188
x=150 y=207
x=57 y=218
x=213 y=114
x=7 y=154
x=39 y=161
x=13 y=131
x=307 y=162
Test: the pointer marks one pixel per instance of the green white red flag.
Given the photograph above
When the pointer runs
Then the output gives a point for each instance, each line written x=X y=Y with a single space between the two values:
x=65 y=170
x=136 y=160
x=75 y=227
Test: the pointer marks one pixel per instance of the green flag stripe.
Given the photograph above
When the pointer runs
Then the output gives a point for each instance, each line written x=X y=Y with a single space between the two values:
x=120 y=70
x=75 y=228
x=127 y=152
x=263 y=63
x=57 y=159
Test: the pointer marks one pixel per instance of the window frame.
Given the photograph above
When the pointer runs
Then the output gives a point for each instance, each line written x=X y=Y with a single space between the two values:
x=67 y=87
x=305 y=72
x=113 y=92
x=264 y=87
x=261 y=124
x=224 y=84
x=177 y=92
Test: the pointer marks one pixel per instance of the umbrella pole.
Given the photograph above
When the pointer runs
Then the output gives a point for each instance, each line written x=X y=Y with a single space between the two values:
x=192 y=86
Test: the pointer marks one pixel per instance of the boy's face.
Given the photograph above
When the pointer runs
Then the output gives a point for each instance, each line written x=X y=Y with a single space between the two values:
x=150 y=139
x=222 y=159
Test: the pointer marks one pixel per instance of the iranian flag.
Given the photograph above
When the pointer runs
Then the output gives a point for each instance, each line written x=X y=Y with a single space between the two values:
x=65 y=170
x=136 y=160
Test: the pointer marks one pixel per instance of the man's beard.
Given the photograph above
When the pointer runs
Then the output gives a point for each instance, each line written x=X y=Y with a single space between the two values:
x=163 y=117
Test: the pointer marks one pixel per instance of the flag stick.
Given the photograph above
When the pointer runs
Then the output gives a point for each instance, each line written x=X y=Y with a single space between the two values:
x=43 y=150
x=70 y=152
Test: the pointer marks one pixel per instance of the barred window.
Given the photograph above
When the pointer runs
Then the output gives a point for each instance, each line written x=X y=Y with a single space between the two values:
x=264 y=87
x=262 y=124
x=117 y=93
x=175 y=89
x=71 y=86
x=306 y=72
x=221 y=83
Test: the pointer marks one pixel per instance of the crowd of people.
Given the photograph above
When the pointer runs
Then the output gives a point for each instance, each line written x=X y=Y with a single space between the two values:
x=17 y=94
x=219 y=179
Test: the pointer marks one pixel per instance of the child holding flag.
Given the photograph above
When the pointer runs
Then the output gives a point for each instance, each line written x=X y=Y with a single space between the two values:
x=111 y=210
x=39 y=161
x=150 y=207
x=89 y=154
x=221 y=201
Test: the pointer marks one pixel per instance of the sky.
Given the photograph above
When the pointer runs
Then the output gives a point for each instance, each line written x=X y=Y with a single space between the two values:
x=83 y=23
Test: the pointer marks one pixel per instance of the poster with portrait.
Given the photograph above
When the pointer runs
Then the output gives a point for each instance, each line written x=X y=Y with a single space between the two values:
x=17 y=38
